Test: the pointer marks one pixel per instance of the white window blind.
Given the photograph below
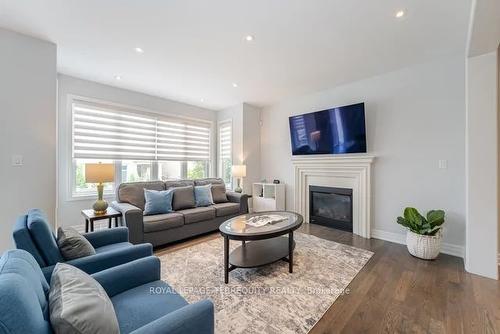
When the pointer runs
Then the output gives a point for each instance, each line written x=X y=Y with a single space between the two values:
x=101 y=132
x=225 y=141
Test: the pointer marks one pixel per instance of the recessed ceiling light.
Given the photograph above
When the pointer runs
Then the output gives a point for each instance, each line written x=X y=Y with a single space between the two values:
x=249 y=38
x=202 y=100
x=117 y=77
x=139 y=50
x=235 y=85
x=400 y=14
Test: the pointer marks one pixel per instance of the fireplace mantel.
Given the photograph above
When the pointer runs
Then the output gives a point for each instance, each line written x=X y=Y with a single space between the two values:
x=345 y=171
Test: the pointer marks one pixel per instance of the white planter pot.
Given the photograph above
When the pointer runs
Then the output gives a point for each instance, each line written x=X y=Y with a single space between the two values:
x=426 y=247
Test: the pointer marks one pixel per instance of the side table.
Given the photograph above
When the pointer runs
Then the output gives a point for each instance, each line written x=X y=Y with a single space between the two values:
x=90 y=217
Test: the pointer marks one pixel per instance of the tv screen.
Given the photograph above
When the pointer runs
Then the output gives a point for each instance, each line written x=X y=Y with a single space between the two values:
x=332 y=131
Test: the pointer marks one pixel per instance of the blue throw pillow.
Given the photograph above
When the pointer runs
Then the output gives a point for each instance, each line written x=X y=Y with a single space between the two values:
x=203 y=195
x=158 y=202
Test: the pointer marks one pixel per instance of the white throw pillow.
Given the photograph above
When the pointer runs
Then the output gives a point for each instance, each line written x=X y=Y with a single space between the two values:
x=78 y=303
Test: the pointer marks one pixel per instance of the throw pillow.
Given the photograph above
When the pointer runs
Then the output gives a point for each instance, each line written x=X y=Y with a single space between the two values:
x=219 y=193
x=78 y=303
x=183 y=198
x=72 y=244
x=157 y=202
x=203 y=195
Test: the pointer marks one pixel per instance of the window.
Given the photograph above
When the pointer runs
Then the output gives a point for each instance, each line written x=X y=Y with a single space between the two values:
x=170 y=170
x=80 y=188
x=136 y=170
x=143 y=147
x=225 y=149
x=197 y=169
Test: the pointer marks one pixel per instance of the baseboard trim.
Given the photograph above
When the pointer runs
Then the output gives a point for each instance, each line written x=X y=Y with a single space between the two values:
x=389 y=236
x=450 y=249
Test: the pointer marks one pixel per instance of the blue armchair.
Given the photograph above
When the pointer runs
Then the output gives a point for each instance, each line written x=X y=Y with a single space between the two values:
x=143 y=303
x=33 y=234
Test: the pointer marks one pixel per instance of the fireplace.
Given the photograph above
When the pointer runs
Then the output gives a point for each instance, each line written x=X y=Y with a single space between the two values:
x=342 y=171
x=331 y=207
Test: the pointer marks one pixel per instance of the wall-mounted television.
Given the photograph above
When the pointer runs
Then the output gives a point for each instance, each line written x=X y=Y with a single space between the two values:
x=333 y=131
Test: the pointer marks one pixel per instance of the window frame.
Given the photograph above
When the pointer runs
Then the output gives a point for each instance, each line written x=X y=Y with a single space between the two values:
x=70 y=161
x=220 y=173
x=90 y=193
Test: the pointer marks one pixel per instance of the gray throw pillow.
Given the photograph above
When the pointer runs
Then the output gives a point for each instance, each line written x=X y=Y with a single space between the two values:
x=72 y=244
x=183 y=198
x=219 y=193
x=78 y=303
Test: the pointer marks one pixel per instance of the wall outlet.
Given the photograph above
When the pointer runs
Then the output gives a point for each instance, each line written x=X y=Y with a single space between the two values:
x=17 y=160
x=443 y=164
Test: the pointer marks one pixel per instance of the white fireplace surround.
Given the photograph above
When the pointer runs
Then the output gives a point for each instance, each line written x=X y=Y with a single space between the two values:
x=352 y=172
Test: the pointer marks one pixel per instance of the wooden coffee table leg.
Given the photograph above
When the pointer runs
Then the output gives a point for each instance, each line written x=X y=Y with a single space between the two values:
x=226 y=260
x=290 y=252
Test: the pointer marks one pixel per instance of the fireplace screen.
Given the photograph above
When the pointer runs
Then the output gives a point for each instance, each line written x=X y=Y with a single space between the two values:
x=331 y=207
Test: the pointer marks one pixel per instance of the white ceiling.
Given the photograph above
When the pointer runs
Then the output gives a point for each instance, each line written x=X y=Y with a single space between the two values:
x=195 y=49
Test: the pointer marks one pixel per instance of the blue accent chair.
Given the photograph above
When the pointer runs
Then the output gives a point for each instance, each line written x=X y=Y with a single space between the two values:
x=143 y=303
x=33 y=234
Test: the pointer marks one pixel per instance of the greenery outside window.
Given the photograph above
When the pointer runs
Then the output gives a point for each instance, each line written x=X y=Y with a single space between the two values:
x=197 y=169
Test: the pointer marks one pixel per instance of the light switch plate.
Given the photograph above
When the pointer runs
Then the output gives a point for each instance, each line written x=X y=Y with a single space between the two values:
x=17 y=160
x=443 y=164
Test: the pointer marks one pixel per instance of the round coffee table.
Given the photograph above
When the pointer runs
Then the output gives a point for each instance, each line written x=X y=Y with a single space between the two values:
x=267 y=243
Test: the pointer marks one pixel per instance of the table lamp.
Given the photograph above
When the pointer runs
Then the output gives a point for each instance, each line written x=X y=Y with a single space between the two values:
x=99 y=173
x=239 y=172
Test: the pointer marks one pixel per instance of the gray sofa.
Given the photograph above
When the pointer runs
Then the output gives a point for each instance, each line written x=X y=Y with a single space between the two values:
x=186 y=220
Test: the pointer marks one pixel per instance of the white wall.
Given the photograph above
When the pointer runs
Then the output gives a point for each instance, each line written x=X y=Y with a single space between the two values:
x=27 y=128
x=482 y=165
x=245 y=142
x=251 y=146
x=68 y=211
x=415 y=116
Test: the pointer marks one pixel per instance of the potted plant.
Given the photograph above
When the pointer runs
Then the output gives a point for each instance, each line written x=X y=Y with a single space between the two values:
x=423 y=236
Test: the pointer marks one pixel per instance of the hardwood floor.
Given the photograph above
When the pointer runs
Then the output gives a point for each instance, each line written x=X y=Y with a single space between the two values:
x=397 y=293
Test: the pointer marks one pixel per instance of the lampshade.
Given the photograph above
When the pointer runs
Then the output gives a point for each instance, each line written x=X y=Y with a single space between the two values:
x=239 y=170
x=97 y=173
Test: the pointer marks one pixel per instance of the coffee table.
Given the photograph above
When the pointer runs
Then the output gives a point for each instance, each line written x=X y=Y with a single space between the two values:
x=267 y=244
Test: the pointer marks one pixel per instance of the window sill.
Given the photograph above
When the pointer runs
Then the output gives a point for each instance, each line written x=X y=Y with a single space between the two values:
x=88 y=197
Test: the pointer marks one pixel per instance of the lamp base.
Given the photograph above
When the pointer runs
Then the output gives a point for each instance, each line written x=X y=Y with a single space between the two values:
x=100 y=207
x=238 y=186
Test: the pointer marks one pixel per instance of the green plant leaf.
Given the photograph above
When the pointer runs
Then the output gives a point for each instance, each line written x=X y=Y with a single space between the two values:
x=419 y=224
x=411 y=214
x=402 y=221
x=414 y=217
x=435 y=217
x=433 y=230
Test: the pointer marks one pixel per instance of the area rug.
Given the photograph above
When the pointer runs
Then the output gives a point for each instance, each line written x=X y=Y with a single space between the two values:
x=266 y=299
